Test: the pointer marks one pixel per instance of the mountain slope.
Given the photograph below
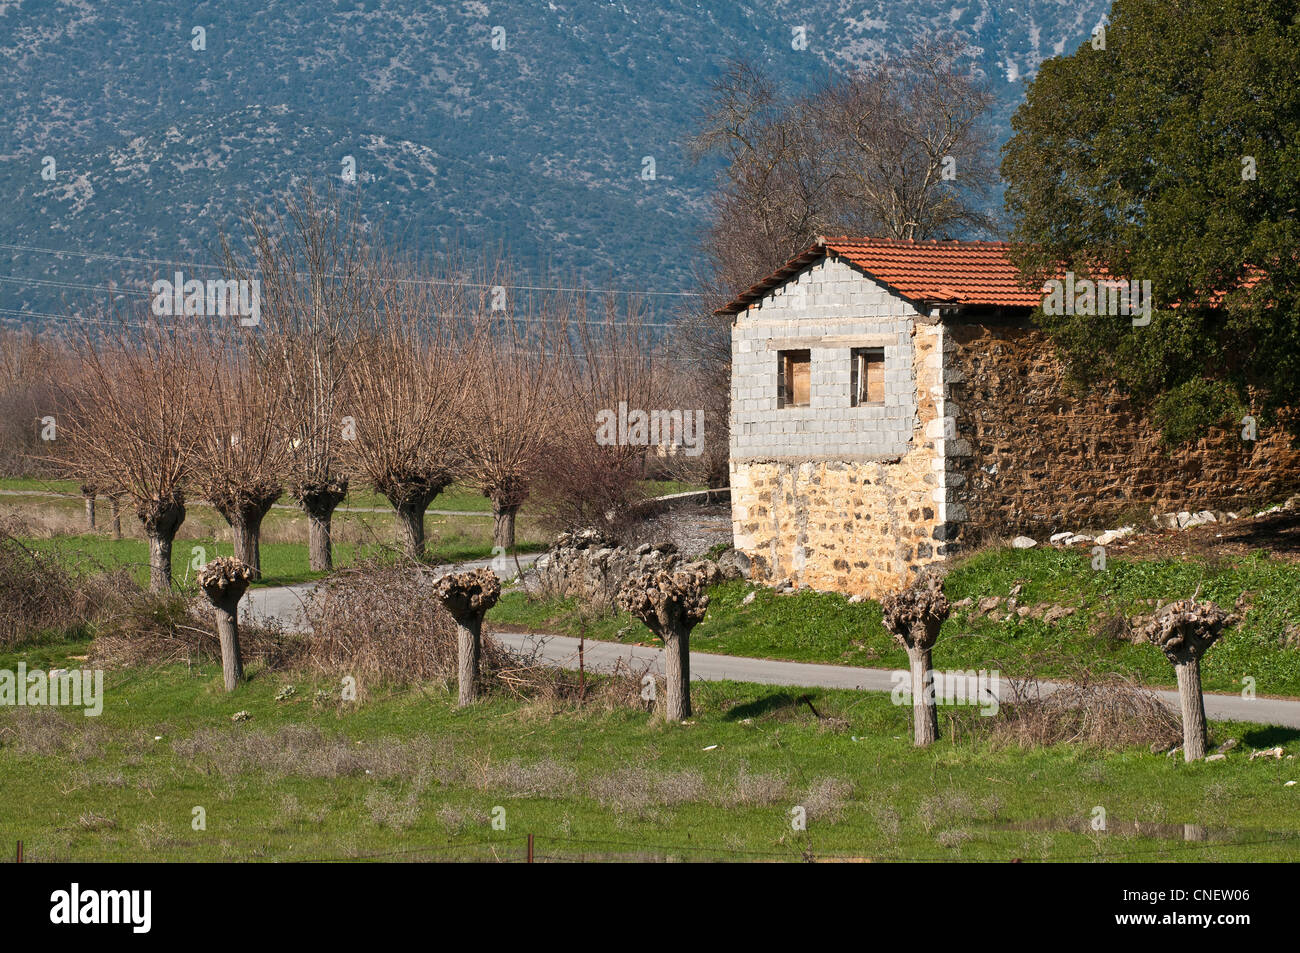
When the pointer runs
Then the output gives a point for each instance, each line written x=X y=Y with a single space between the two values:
x=539 y=146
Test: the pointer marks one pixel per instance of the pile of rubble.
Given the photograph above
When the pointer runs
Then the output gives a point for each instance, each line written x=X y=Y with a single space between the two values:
x=997 y=608
x=1074 y=539
x=591 y=566
x=1184 y=519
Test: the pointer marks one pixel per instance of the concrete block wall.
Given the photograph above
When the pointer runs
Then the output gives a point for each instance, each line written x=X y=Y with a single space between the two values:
x=829 y=308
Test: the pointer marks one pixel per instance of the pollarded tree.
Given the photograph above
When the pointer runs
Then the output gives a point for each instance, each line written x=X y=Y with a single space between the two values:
x=592 y=475
x=224 y=582
x=127 y=420
x=408 y=389
x=515 y=401
x=914 y=616
x=1183 y=631
x=313 y=264
x=671 y=604
x=467 y=596
x=242 y=439
x=88 y=493
x=115 y=513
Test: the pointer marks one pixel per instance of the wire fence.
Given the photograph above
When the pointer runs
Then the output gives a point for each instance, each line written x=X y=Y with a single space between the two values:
x=558 y=848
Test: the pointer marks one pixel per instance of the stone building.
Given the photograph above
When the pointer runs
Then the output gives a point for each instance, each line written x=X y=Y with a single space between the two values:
x=892 y=404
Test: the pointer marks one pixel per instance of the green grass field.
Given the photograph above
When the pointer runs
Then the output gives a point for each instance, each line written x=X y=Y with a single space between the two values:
x=404 y=775
x=460 y=499
x=816 y=627
x=282 y=563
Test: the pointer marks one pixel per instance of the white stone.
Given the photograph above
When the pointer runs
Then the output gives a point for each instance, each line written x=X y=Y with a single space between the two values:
x=1024 y=542
x=1059 y=537
x=1111 y=535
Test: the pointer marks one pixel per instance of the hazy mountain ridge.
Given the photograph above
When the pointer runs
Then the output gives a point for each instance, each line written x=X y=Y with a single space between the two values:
x=538 y=146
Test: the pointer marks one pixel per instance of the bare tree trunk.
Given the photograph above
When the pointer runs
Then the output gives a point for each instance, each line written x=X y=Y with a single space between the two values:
x=115 y=508
x=232 y=663
x=90 y=511
x=925 y=717
x=677 y=674
x=246 y=536
x=161 y=520
x=160 y=562
x=410 y=529
x=1192 y=703
x=468 y=650
x=224 y=581
x=245 y=519
x=320 y=551
x=319 y=503
x=503 y=525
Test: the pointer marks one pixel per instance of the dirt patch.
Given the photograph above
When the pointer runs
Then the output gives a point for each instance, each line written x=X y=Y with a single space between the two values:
x=1278 y=533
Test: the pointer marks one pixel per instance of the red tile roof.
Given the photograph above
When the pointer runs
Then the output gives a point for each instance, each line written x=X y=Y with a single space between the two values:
x=938 y=272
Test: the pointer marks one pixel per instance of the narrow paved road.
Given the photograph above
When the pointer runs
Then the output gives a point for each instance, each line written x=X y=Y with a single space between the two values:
x=285 y=604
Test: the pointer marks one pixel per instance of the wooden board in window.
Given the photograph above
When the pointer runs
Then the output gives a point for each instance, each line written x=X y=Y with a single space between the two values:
x=794 y=384
x=867 y=379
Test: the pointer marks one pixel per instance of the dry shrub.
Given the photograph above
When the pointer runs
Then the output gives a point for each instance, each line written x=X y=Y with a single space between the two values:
x=381 y=623
x=946 y=808
x=48 y=733
x=758 y=790
x=1107 y=712
x=953 y=839
x=456 y=820
x=37 y=595
x=393 y=811
x=826 y=799
x=545 y=778
x=528 y=677
x=634 y=790
x=303 y=751
x=136 y=627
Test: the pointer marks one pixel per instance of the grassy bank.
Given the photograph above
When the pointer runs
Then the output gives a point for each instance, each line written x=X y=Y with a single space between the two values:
x=405 y=775
x=817 y=627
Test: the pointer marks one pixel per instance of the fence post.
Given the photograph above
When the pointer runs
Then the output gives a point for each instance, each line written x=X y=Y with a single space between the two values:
x=530 y=848
x=20 y=852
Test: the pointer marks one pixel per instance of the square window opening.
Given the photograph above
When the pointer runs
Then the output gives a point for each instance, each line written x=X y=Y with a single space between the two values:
x=867 y=377
x=794 y=378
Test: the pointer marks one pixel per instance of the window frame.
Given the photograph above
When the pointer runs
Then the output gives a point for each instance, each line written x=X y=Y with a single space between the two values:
x=784 y=386
x=859 y=390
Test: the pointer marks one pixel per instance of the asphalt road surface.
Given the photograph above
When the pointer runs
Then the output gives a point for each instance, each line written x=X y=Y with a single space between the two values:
x=285 y=604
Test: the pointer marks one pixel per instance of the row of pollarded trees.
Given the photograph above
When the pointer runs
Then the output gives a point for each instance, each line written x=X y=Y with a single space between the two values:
x=1183 y=631
x=360 y=369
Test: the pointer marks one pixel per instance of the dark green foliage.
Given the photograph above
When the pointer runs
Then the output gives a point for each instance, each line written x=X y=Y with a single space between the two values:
x=1137 y=159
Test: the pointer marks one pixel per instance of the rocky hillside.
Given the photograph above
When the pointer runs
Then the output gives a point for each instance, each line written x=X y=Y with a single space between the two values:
x=127 y=132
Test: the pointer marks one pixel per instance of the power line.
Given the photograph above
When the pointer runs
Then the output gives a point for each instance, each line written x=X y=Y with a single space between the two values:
x=506 y=315
x=423 y=281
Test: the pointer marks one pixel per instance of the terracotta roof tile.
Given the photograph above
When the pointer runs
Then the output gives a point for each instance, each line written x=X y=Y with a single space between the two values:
x=951 y=272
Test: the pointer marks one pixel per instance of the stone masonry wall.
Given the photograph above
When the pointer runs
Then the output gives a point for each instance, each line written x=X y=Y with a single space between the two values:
x=1031 y=456
x=835 y=497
